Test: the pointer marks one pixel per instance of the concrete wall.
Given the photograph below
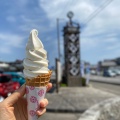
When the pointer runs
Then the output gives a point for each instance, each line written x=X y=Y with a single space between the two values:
x=106 y=110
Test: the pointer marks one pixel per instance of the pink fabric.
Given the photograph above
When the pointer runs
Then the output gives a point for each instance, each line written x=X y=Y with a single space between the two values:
x=34 y=96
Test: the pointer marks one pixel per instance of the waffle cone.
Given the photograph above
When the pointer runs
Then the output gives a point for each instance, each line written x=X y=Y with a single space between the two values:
x=40 y=80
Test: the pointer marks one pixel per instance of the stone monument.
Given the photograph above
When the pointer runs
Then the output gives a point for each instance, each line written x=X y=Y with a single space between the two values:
x=72 y=52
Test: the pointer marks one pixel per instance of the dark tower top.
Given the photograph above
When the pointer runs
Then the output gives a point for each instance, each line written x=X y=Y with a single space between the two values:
x=71 y=27
x=70 y=15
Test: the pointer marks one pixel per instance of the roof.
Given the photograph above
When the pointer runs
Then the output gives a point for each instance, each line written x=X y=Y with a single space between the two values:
x=108 y=63
x=4 y=65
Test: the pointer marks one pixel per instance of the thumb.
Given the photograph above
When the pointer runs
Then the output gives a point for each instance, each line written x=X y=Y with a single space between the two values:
x=12 y=99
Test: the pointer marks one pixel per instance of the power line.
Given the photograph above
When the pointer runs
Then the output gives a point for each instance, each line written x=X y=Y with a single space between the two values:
x=66 y=6
x=98 y=10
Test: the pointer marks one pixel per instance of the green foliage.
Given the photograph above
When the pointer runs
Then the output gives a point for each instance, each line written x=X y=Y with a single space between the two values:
x=63 y=85
x=83 y=81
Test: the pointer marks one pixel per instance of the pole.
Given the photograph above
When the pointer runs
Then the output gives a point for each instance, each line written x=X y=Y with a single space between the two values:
x=57 y=76
x=58 y=38
x=57 y=84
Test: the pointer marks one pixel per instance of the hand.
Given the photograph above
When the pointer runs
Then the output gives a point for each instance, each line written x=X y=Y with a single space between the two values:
x=14 y=107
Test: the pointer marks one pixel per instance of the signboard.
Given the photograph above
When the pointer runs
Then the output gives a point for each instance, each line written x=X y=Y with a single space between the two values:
x=58 y=71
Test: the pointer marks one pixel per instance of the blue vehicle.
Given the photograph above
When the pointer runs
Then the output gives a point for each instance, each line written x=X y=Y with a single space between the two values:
x=109 y=73
x=16 y=77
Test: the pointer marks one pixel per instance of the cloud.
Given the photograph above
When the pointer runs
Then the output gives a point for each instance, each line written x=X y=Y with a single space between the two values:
x=59 y=8
x=113 y=47
x=82 y=9
x=10 y=41
x=100 y=35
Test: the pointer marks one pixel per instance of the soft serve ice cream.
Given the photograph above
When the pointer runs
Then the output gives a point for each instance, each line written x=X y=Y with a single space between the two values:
x=36 y=62
x=36 y=73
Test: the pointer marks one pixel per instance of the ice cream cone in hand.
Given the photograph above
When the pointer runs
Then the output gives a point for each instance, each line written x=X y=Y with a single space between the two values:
x=36 y=73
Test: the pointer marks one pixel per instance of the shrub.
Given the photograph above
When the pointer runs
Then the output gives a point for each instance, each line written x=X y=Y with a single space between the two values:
x=83 y=81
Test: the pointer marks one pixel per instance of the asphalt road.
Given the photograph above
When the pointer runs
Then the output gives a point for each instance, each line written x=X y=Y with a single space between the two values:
x=111 y=88
x=112 y=80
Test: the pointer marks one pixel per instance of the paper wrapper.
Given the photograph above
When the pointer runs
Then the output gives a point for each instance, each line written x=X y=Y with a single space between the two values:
x=34 y=96
x=35 y=92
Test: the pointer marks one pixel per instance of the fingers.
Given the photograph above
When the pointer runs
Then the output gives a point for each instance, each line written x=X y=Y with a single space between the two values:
x=42 y=109
x=12 y=99
x=49 y=86
x=41 y=112
x=44 y=103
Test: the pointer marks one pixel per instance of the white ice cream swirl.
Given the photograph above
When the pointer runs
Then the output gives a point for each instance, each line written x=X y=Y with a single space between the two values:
x=36 y=62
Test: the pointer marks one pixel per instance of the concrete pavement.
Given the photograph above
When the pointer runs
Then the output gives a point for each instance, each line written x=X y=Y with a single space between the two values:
x=75 y=99
x=70 y=102
x=60 y=116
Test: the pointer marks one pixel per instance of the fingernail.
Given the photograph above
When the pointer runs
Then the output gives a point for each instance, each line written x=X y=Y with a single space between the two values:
x=39 y=111
x=20 y=87
x=23 y=84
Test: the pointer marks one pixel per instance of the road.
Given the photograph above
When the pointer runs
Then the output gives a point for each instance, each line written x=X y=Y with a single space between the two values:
x=112 y=80
x=111 y=88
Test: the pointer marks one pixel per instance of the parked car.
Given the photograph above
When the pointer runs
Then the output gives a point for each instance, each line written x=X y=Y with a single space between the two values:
x=1 y=98
x=109 y=73
x=7 y=85
x=93 y=72
x=117 y=71
x=16 y=77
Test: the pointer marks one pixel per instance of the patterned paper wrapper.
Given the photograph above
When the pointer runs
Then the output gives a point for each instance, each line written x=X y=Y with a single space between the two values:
x=34 y=96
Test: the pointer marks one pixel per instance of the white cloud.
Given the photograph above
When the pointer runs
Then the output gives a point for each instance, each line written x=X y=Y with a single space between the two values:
x=100 y=33
x=82 y=9
x=9 y=41
x=113 y=47
x=31 y=22
x=59 y=8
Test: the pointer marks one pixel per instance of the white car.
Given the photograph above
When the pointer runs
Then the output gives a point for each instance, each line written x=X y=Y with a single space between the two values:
x=93 y=72
x=117 y=71
x=109 y=73
x=1 y=98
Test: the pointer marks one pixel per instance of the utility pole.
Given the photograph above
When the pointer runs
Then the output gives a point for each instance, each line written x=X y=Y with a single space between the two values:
x=58 y=67
x=58 y=38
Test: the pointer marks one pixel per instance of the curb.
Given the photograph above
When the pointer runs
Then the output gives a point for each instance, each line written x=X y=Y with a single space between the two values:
x=94 y=112
x=66 y=111
x=104 y=81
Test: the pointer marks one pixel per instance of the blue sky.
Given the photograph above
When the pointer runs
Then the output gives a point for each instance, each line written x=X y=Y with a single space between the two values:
x=99 y=37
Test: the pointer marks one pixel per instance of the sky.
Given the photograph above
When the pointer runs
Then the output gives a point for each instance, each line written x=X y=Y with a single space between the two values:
x=99 y=37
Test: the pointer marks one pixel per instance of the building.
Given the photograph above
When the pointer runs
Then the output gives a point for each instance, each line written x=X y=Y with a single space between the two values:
x=12 y=66
x=109 y=63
